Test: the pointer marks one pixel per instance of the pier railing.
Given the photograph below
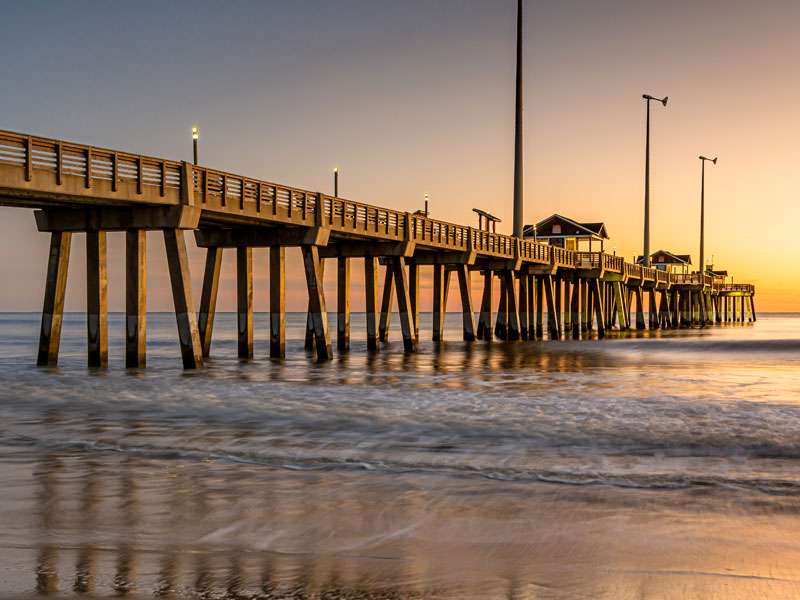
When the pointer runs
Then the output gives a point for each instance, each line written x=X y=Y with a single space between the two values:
x=68 y=173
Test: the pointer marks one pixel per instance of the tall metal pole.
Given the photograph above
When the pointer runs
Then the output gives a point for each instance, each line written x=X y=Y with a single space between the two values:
x=336 y=183
x=518 y=209
x=703 y=160
x=646 y=250
x=702 y=216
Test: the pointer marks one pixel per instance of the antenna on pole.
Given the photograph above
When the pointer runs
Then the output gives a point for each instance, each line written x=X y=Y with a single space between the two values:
x=518 y=209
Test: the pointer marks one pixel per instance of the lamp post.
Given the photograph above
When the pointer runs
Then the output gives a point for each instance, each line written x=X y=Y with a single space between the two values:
x=195 y=137
x=646 y=252
x=703 y=160
x=518 y=217
x=336 y=182
x=426 y=206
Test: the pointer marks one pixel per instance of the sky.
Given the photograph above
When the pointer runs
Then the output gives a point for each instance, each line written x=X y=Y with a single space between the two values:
x=416 y=97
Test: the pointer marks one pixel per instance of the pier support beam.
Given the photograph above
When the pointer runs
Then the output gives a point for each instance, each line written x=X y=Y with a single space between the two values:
x=511 y=306
x=404 y=303
x=485 y=319
x=467 y=311
x=178 y=262
x=135 y=299
x=386 y=304
x=316 y=302
x=277 y=302
x=753 y=308
x=539 y=308
x=501 y=324
x=439 y=308
x=652 y=309
x=640 y=324
x=620 y=304
x=522 y=306
x=598 y=308
x=343 y=304
x=244 y=301
x=567 y=306
x=371 y=291
x=413 y=292
x=208 y=297
x=309 y=342
x=97 y=298
x=54 y=290
x=552 y=320
x=576 y=309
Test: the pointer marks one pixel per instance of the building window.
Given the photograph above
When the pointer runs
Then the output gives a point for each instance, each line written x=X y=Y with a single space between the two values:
x=556 y=229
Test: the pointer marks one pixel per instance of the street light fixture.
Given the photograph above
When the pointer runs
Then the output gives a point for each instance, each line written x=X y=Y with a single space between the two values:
x=703 y=160
x=195 y=137
x=336 y=182
x=646 y=252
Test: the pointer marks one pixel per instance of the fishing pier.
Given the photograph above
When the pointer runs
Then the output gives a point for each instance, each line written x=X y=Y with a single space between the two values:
x=545 y=292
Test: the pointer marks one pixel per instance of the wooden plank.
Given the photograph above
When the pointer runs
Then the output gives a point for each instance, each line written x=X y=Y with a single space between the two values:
x=55 y=288
x=386 y=304
x=208 y=298
x=277 y=302
x=97 y=298
x=371 y=290
x=404 y=303
x=343 y=304
x=316 y=296
x=244 y=301
x=135 y=299
x=467 y=311
x=178 y=263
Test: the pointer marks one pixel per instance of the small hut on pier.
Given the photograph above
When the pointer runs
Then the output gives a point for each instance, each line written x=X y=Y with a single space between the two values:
x=569 y=234
x=669 y=262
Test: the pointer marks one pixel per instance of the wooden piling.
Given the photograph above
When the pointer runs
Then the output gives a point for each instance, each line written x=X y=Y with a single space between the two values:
x=652 y=309
x=552 y=321
x=135 y=299
x=511 y=304
x=620 y=304
x=97 y=298
x=438 y=303
x=558 y=306
x=309 y=341
x=522 y=305
x=371 y=290
x=485 y=318
x=599 y=309
x=343 y=304
x=539 y=308
x=753 y=308
x=386 y=304
x=178 y=263
x=208 y=298
x=277 y=302
x=55 y=288
x=316 y=301
x=244 y=301
x=576 y=309
x=404 y=303
x=567 y=308
x=413 y=291
x=467 y=312
x=501 y=324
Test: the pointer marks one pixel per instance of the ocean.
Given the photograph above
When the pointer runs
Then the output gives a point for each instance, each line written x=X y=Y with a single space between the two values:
x=647 y=465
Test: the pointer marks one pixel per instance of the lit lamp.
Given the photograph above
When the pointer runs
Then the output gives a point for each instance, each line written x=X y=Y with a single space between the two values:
x=195 y=137
x=336 y=182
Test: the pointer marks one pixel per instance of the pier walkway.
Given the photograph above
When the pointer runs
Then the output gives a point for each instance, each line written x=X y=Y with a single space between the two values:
x=545 y=291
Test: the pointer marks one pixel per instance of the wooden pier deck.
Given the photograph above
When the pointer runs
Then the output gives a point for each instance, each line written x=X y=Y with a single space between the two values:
x=78 y=188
